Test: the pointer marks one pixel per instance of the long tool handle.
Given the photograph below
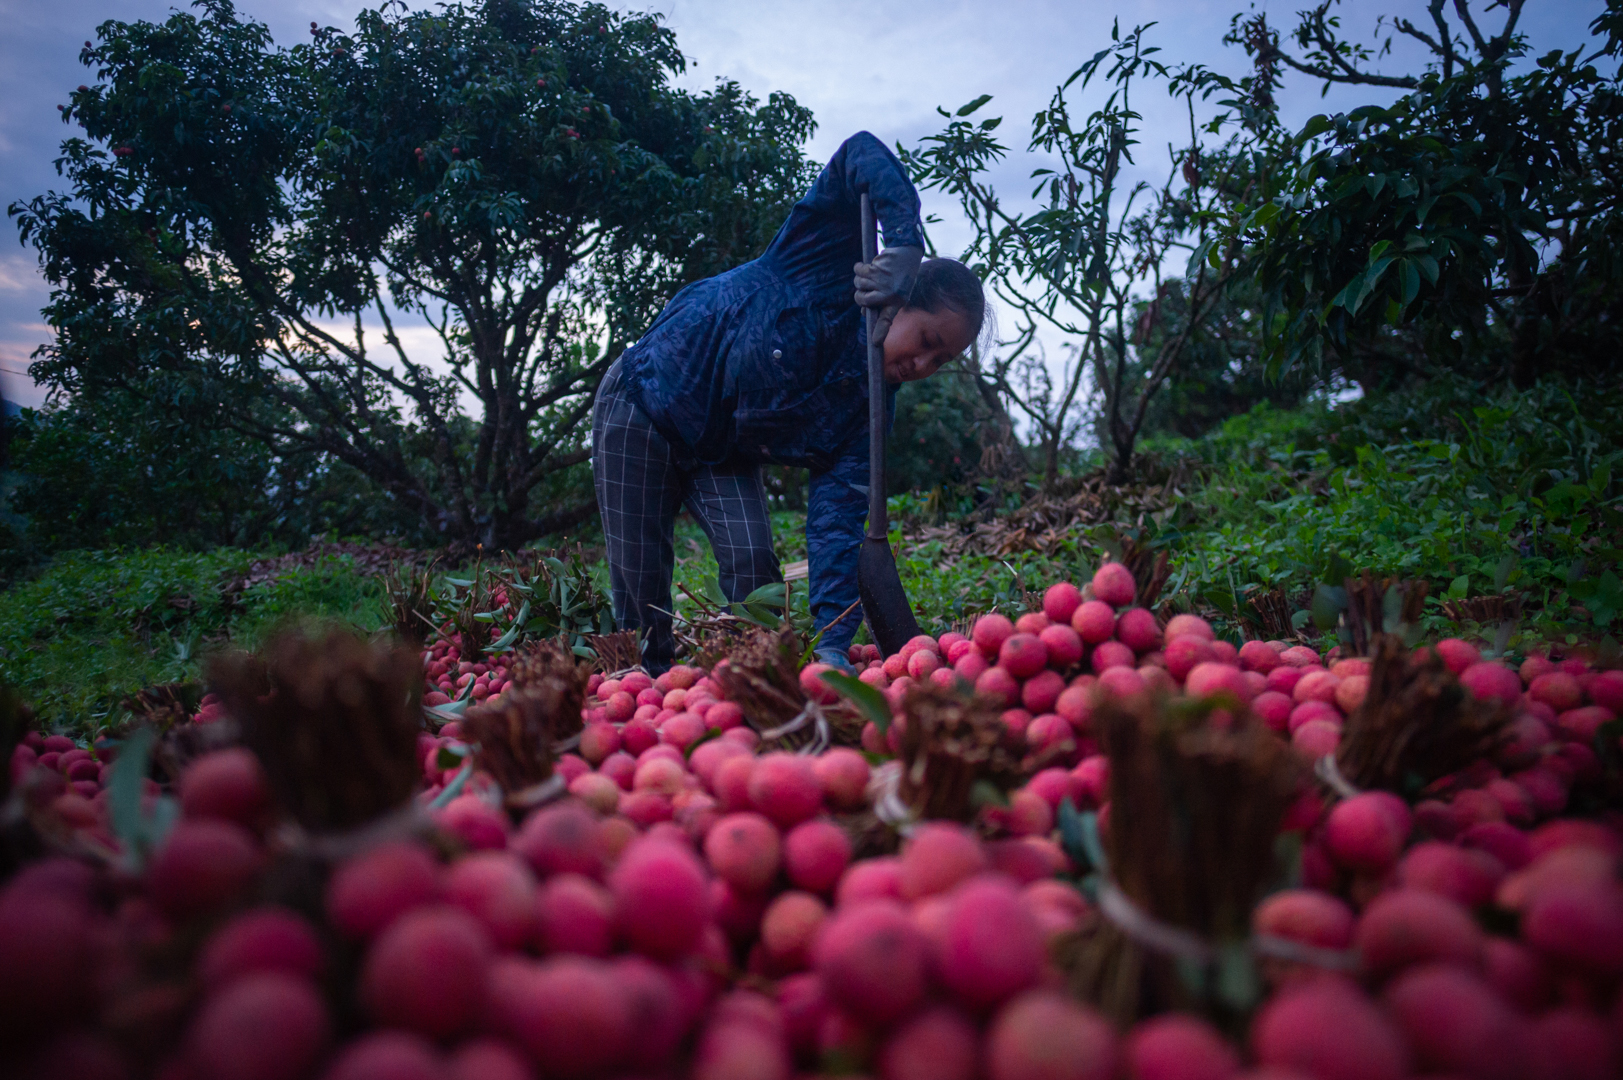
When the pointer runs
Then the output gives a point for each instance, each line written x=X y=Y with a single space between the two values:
x=878 y=525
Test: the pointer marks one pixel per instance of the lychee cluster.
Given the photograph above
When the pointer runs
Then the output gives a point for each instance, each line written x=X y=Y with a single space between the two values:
x=696 y=905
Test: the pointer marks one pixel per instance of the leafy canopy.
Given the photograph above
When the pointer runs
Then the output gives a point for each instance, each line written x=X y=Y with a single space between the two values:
x=520 y=176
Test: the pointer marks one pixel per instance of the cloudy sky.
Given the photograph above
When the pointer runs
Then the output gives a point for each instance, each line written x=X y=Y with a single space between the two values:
x=883 y=67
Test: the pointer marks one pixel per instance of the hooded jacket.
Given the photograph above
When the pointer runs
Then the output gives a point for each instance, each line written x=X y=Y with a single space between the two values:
x=768 y=361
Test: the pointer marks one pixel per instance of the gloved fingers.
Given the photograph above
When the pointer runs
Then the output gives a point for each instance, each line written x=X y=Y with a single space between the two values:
x=872 y=287
x=881 y=325
x=888 y=278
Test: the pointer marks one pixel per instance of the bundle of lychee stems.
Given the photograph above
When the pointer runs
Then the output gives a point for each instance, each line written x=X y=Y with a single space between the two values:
x=953 y=743
x=1196 y=804
x=1416 y=723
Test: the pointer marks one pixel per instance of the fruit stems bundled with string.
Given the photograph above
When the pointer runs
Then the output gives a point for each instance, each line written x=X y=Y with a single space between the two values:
x=1416 y=723
x=517 y=736
x=763 y=676
x=1195 y=810
x=953 y=747
x=334 y=721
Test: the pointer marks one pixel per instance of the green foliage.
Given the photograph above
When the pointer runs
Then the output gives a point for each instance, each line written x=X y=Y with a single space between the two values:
x=1512 y=493
x=1223 y=371
x=1479 y=211
x=1075 y=263
x=95 y=627
x=936 y=440
x=114 y=470
x=520 y=175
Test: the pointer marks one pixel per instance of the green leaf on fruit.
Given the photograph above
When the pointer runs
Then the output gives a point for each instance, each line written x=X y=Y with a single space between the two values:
x=140 y=828
x=869 y=701
x=710 y=734
x=453 y=789
x=984 y=793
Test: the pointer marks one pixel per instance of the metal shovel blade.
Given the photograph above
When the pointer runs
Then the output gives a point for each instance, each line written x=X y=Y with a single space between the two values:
x=884 y=602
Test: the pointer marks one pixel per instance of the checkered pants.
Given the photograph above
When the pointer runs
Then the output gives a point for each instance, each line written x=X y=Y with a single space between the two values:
x=642 y=481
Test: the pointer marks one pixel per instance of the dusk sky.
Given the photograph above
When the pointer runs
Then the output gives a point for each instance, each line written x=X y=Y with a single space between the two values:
x=857 y=65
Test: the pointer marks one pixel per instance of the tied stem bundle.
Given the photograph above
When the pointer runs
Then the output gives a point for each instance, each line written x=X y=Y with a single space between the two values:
x=762 y=674
x=334 y=721
x=1195 y=810
x=516 y=735
x=1416 y=724
x=956 y=753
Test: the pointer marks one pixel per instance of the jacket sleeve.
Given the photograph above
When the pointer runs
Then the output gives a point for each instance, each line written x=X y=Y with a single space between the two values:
x=822 y=239
x=836 y=512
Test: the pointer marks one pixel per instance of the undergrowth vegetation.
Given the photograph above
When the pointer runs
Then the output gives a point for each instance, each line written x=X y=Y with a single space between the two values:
x=1512 y=496
x=97 y=626
x=1507 y=505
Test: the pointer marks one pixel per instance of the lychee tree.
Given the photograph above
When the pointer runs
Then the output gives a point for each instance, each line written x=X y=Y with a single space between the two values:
x=520 y=175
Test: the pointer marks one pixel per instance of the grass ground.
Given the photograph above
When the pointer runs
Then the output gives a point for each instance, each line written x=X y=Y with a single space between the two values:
x=1508 y=503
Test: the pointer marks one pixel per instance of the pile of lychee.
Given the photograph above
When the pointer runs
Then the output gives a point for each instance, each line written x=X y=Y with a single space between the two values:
x=692 y=906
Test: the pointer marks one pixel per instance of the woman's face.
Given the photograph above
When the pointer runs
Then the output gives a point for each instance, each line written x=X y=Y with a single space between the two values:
x=919 y=342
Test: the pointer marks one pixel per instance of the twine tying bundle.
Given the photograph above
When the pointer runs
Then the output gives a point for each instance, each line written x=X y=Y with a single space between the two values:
x=1194 y=812
x=1182 y=944
x=813 y=715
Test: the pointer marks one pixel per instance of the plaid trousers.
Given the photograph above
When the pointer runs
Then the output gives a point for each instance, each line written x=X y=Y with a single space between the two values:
x=642 y=481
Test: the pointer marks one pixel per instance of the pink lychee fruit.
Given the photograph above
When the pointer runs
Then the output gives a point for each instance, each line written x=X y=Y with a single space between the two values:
x=574 y=914
x=870 y=879
x=1179 y=1047
x=426 y=972
x=1061 y=601
x=1094 y=621
x=843 y=774
x=938 y=856
x=499 y=890
x=1457 y=654
x=1113 y=583
x=785 y=788
x=939 y=1043
x=745 y=851
x=873 y=961
x=992 y=947
x=1465 y=875
x=1367 y=832
x=1413 y=926
x=486 y=1059
x=1258 y=656
x=1307 y=916
x=569 y=1013
x=227 y=784
x=1022 y=655
x=741 y=1050
x=990 y=632
x=262 y=939
x=1456 y=1024
x=789 y=925
x=1042 y=1035
x=475 y=822
x=1137 y=629
x=1064 y=647
x=1327 y=1029
x=560 y=839
x=815 y=855
x=661 y=900
x=1488 y=680
x=204 y=864
x=265 y=1026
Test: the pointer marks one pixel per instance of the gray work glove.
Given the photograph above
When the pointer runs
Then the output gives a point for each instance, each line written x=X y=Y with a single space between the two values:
x=885 y=284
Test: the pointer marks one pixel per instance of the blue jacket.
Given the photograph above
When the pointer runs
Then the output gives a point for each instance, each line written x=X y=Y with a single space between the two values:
x=769 y=361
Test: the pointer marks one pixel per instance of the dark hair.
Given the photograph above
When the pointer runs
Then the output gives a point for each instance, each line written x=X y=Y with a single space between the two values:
x=948 y=283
